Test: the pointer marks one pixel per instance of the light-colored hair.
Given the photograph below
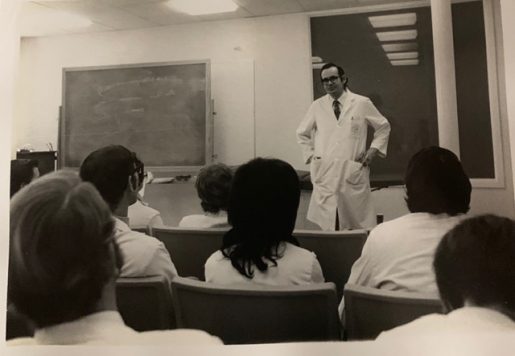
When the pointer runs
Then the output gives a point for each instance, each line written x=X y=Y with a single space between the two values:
x=60 y=253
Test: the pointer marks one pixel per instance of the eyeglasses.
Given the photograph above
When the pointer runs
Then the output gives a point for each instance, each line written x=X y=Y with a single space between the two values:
x=332 y=79
x=139 y=168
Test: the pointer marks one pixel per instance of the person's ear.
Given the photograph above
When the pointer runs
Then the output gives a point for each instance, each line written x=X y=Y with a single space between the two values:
x=133 y=183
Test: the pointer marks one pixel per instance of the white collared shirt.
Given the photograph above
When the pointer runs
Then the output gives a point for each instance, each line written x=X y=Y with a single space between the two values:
x=462 y=321
x=108 y=328
x=297 y=266
x=143 y=255
x=207 y=220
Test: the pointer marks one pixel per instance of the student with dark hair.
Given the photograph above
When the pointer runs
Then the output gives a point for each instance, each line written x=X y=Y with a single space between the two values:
x=213 y=186
x=398 y=254
x=23 y=171
x=63 y=267
x=117 y=173
x=475 y=273
x=260 y=247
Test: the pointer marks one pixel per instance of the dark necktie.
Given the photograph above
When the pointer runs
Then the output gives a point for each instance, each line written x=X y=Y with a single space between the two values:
x=336 y=109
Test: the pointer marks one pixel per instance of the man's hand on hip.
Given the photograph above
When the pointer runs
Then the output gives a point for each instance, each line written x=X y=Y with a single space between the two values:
x=367 y=157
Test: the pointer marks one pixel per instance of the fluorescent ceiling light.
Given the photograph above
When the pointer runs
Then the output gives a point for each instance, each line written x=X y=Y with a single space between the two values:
x=405 y=62
x=202 y=7
x=316 y=59
x=402 y=55
x=397 y=47
x=318 y=65
x=408 y=19
x=397 y=35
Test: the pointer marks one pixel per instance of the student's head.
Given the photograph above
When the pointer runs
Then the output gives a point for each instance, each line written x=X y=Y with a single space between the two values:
x=213 y=187
x=333 y=79
x=116 y=172
x=475 y=264
x=23 y=171
x=262 y=211
x=62 y=253
x=436 y=183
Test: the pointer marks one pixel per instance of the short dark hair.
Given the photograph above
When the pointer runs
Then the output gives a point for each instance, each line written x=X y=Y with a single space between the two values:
x=60 y=255
x=262 y=211
x=108 y=168
x=475 y=261
x=22 y=172
x=436 y=183
x=341 y=72
x=213 y=187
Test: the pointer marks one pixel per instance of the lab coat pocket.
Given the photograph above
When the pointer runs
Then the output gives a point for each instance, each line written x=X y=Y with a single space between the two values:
x=356 y=125
x=357 y=173
x=314 y=169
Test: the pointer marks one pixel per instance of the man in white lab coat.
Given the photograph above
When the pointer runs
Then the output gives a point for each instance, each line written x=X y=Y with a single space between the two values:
x=333 y=137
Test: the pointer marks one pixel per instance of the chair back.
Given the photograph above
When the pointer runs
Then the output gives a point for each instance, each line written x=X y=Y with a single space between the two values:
x=369 y=311
x=143 y=229
x=335 y=250
x=145 y=303
x=256 y=313
x=190 y=248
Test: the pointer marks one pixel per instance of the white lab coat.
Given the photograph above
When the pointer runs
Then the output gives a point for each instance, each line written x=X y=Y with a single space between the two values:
x=332 y=146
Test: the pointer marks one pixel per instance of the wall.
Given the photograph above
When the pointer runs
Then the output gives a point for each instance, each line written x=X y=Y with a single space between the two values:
x=9 y=50
x=507 y=8
x=272 y=54
x=240 y=51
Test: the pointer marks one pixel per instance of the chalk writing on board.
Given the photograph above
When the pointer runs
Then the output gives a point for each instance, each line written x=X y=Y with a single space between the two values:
x=159 y=111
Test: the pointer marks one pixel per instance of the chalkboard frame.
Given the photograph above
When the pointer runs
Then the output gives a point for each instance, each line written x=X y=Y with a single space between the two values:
x=163 y=170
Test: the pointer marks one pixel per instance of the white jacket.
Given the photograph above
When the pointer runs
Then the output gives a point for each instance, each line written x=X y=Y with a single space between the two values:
x=332 y=146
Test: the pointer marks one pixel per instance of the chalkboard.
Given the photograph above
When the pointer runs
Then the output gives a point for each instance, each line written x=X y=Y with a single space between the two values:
x=160 y=111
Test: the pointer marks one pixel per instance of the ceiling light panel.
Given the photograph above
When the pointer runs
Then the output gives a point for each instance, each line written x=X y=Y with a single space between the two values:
x=399 y=47
x=395 y=20
x=397 y=35
x=202 y=7
x=402 y=55
x=405 y=62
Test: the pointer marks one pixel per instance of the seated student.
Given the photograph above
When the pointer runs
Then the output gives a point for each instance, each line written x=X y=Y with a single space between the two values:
x=398 y=254
x=213 y=186
x=117 y=174
x=260 y=247
x=475 y=273
x=63 y=267
x=142 y=216
x=23 y=171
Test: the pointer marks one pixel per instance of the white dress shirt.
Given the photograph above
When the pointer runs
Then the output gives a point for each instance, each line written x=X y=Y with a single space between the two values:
x=206 y=220
x=462 y=321
x=143 y=255
x=398 y=254
x=143 y=216
x=297 y=266
x=108 y=328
